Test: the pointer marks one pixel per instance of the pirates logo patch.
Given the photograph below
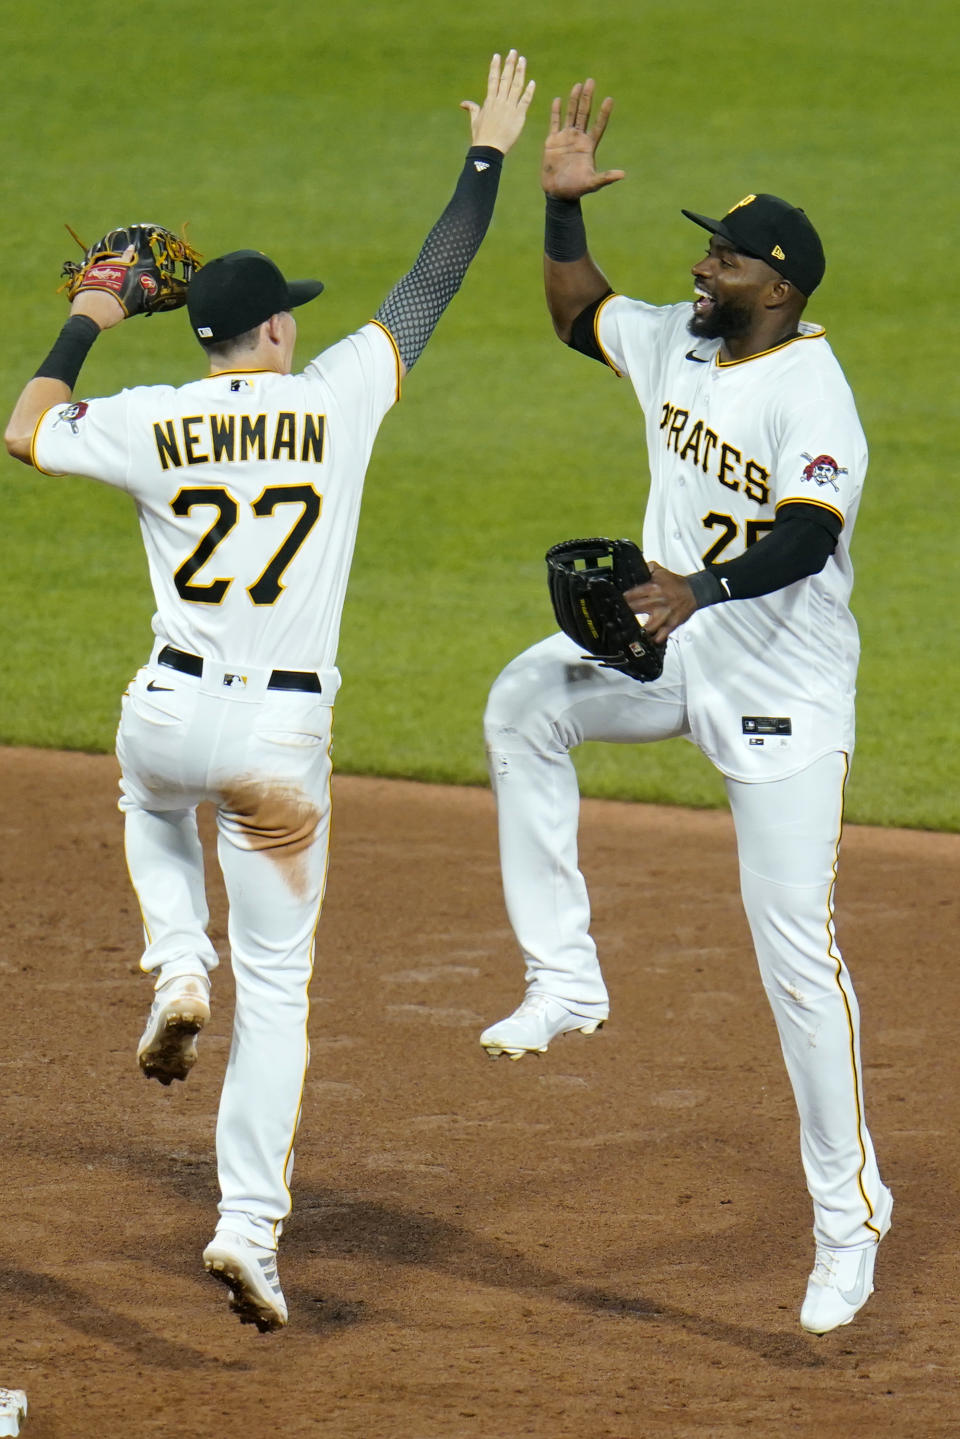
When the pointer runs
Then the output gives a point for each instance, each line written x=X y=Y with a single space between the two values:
x=72 y=416
x=823 y=470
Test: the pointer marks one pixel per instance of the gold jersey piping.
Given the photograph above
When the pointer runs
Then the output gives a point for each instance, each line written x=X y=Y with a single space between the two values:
x=816 y=334
x=396 y=354
x=54 y=474
x=796 y=500
x=596 y=332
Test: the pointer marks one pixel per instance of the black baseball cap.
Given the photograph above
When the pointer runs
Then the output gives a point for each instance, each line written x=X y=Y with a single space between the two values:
x=767 y=228
x=237 y=292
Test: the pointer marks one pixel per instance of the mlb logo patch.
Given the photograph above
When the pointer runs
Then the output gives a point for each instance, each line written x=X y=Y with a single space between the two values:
x=760 y=731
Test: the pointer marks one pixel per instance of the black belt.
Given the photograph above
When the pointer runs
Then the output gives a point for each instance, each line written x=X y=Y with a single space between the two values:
x=279 y=679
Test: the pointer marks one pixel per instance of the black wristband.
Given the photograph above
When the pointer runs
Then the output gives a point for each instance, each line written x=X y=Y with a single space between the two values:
x=565 y=235
x=707 y=588
x=72 y=346
x=486 y=152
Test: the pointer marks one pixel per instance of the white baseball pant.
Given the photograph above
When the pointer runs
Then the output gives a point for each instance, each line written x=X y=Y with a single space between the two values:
x=549 y=700
x=262 y=757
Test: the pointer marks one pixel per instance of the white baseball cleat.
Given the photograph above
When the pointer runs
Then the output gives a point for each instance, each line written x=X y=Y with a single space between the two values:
x=250 y=1272
x=840 y=1284
x=13 y=1408
x=530 y=1028
x=168 y=1045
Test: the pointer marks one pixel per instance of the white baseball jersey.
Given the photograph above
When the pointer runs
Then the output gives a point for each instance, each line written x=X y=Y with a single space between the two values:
x=770 y=681
x=248 y=560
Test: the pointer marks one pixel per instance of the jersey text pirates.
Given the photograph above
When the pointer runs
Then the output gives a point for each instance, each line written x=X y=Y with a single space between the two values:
x=770 y=681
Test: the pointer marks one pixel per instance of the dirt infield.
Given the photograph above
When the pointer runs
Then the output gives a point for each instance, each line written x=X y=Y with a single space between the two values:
x=610 y=1242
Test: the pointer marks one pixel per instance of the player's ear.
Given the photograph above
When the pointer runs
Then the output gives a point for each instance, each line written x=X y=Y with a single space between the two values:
x=782 y=293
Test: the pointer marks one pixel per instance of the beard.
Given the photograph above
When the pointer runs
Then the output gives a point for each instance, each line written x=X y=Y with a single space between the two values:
x=726 y=321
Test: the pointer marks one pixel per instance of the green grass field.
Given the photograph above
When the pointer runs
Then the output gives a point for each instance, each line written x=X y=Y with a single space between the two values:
x=332 y=140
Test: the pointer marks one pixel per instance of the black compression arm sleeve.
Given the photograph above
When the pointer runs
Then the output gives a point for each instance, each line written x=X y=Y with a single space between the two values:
x=414 y=305
x=802 y=540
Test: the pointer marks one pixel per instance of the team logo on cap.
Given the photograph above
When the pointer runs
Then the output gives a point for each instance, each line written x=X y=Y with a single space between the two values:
x=823 y=470
x=747 y=200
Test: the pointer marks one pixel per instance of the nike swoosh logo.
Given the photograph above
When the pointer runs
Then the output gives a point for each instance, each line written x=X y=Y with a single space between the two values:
x=166 y=688
x=699 y=359
x=856 y=1295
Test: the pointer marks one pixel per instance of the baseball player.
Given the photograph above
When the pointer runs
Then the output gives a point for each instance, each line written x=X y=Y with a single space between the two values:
x=247 y=484
x=757 y=460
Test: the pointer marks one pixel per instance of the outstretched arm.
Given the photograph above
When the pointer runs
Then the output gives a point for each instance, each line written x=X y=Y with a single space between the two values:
x=414 y=305
x=571 y=278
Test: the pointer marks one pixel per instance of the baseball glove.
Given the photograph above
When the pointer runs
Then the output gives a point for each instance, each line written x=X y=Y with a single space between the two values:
x=587 y=579
x=154 y=278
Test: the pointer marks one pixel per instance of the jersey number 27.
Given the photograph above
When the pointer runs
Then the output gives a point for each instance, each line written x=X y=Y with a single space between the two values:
x=267 y=587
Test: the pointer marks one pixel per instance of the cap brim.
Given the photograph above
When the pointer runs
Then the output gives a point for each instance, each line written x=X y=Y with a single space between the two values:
x=301 y=291
x=716 y=227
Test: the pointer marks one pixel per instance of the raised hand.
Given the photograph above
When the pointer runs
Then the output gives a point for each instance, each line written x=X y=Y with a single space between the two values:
x=568 y=169
x=500 y=119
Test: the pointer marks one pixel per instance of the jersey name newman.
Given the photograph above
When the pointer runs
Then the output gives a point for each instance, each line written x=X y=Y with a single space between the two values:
x=213 y=439
x=704 y=448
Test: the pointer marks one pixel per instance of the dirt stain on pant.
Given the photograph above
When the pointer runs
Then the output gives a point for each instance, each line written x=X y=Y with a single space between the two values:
x=276 y=819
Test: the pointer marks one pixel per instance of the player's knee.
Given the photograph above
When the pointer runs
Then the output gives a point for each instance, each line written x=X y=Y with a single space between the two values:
x=515 y=716
x=511 y=697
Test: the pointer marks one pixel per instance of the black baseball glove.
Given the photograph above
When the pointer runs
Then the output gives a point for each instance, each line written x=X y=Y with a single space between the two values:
x=587 y=580
x=154 y=278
